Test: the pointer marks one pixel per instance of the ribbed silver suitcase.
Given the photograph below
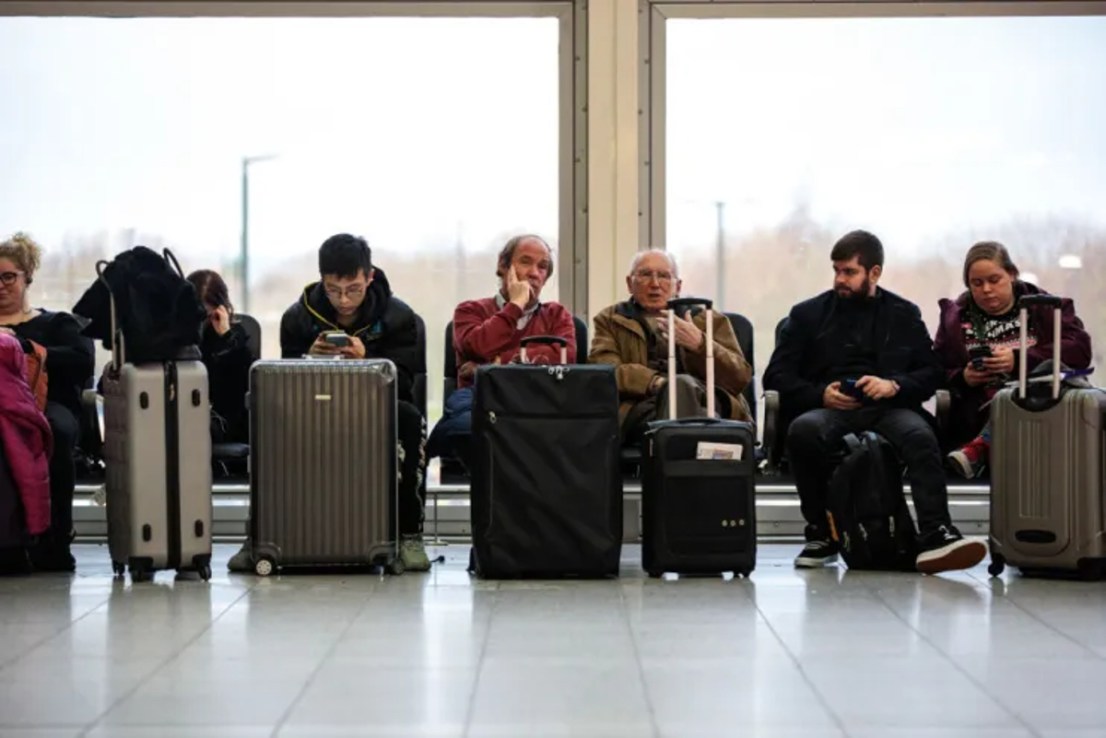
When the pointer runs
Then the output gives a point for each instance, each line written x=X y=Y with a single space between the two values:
x=157 y=453
x=323 y=466
x=1047 y=492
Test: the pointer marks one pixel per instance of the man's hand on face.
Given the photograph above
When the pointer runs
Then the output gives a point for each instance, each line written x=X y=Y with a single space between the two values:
x=518 y=291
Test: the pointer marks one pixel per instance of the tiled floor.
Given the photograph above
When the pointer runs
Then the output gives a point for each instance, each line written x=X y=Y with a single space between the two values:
x=810 y=654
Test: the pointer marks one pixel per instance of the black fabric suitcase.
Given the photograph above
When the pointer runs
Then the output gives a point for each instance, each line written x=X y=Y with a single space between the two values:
x=698 y=514
x=546 y=484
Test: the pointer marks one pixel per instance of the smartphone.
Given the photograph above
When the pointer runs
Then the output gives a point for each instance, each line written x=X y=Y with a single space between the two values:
x=848 y=387
x=978 y=354
x=336 y=338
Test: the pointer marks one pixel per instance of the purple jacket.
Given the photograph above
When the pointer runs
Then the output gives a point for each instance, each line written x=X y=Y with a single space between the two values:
x=967 y=419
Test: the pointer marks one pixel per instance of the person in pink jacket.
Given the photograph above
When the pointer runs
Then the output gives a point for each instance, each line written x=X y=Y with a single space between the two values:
x=27 y=445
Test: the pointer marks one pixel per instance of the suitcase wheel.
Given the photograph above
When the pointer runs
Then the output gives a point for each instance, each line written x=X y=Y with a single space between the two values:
x=742 y=573
x=264 y=566
x=141 y=574
x=655 y=574
x=118 y=569
x=997 y=565
x=396 y=567
x=205 y=572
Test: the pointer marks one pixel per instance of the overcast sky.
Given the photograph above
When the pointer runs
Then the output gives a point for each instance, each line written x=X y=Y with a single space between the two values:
x=411 y=131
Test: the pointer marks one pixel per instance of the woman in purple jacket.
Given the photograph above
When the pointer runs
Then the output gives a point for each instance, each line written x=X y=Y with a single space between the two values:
x=977 y=343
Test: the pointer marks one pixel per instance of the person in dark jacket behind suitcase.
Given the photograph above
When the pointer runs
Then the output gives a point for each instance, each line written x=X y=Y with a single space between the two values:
x=227 y=357
x=489 y=331
x=69 y=367
x=977 y=342
x=632 y=336
x=859 y=358
x=354 y=298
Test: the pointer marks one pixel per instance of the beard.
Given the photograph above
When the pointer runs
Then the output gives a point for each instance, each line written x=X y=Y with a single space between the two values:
x=860 y=293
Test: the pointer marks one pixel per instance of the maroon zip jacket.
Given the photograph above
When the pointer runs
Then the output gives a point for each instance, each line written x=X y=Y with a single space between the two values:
x=485 y=334
x=967 y=420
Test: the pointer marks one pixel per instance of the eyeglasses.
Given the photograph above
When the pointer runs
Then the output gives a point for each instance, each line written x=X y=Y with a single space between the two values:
x=648 y=276
x=8 y=278
x=336 y=293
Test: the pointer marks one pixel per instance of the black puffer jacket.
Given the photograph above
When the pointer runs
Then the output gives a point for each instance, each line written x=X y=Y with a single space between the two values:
x=385 y=324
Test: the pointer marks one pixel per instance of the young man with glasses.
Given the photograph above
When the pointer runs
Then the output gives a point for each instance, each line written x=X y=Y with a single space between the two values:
x=633 y=337
x=354 y=298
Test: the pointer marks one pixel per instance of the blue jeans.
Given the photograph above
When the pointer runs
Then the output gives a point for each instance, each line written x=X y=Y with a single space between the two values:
x=452 y=432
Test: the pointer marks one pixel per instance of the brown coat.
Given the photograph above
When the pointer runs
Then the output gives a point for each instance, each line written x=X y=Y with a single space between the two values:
x=620 y=341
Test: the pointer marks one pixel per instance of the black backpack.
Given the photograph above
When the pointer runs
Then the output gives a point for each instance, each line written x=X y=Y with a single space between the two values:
x=867 y=512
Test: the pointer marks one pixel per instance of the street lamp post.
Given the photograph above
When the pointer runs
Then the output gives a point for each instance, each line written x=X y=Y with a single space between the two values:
x=244 y=247
x=720 y=254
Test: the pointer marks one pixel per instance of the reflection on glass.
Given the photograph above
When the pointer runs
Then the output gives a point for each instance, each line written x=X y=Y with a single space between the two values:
x=934 y=133
x=412 y=132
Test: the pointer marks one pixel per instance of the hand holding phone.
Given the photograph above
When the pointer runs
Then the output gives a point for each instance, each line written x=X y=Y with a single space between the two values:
x=848 y=387
x=977 y=355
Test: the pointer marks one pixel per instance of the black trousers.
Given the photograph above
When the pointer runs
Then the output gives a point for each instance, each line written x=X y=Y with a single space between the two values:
x=63 y=472
x=815 y=436
x=411 y=431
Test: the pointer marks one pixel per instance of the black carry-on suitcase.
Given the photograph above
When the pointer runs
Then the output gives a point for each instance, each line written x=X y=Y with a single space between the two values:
x=546 y=484
x=698 y=491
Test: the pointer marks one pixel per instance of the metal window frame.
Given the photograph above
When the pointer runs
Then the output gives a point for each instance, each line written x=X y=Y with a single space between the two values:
x=652 y=29
x=572 y=79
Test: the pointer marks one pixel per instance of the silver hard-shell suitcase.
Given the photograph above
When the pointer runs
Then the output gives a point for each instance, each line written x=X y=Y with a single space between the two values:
x=1047 y=452
x=157 y=453
x=323 y=466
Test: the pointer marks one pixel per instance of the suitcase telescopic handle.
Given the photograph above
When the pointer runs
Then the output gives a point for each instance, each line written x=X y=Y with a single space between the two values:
x=117 y=351
x=673 y=305
x=1024 y=303
x=544 y=341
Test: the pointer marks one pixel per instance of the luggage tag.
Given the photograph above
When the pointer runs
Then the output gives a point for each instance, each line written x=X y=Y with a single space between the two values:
x=719 y=451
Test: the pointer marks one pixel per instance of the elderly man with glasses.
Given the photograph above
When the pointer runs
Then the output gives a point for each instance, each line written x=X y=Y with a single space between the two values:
x=632 y=336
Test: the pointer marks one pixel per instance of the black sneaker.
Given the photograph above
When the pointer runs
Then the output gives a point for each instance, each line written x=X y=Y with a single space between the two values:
x=816 y=554
x=944 y=549
x=14 y=562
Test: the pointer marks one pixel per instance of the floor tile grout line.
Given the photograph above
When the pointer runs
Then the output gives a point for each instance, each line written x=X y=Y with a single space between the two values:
x=471 y=707
x=162 y=664
x=68 y=626
x=322 y=661
x=798 y=665
x=948 y=657
x=649 y=708
x=1048 y=625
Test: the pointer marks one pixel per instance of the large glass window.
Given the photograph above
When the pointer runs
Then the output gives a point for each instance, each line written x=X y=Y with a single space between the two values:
x=435 y=138
x=782 y=134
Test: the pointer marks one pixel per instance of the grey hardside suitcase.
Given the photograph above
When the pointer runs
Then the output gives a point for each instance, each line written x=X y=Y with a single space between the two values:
x=157 y=458
x=157 y=453
x=323 y=466
x=1047 y=452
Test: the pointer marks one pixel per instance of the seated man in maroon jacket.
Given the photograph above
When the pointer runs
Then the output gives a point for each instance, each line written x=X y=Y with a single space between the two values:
x=488 y=331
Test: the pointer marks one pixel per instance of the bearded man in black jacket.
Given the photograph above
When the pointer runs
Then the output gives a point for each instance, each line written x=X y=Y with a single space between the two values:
x=859 y=358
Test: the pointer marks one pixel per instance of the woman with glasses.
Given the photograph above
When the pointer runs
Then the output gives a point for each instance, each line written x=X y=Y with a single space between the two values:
x=69 y=367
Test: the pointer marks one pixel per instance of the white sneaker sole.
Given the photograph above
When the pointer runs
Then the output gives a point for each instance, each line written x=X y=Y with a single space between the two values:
x=960 y=464
x=962 y=554
x=807 y=562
